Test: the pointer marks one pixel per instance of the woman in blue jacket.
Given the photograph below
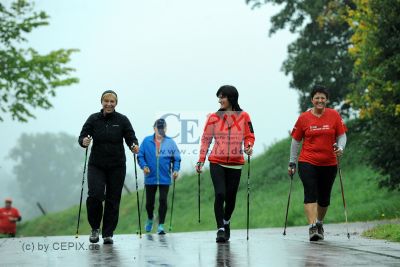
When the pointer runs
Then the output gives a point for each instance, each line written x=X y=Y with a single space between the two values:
x=159 y=158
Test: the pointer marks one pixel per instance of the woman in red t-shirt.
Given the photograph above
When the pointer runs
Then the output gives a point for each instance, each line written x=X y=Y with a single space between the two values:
x=319 y=128
x=233 y=134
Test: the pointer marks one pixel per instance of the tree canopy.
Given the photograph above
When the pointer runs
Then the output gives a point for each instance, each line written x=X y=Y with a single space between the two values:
x=376 y=50
x=28 y=79
x=353 y=48
x=320 y=53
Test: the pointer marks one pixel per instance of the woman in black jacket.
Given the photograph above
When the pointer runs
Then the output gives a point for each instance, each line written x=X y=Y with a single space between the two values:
x=107 y=164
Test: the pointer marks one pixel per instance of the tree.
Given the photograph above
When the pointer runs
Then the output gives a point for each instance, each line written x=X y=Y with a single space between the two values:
x=376 y=51
x=27 y=78
x=352 y=47
x=49 y=169
x=320 y=53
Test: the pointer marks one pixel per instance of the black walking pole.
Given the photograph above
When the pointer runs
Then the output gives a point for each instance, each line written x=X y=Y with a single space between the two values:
x=137 y=197
x=341 y=187
x=248 y=195
x=198 y=181
x=172 y=207
x=80 y=202
x=288 y=202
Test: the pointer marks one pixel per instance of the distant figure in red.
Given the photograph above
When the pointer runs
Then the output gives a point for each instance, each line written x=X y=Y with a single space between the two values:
x=9 y=217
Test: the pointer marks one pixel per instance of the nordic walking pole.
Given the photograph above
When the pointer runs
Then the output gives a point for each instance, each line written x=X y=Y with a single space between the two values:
x=288 y=202
x=172 y=207
x=198 y=181
x=137 y=198
x=248 y=195
x=80 y=202
x=341 y=187
x=344 y=201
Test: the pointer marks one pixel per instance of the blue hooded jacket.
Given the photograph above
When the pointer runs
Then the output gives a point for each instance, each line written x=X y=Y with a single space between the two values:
x=161 y=164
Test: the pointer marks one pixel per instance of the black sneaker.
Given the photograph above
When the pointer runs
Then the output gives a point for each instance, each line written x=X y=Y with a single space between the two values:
x=221 y=236
x=108 y=240
x=320 y=230
x=227 y=228
x=94 y=236
x=313 y=232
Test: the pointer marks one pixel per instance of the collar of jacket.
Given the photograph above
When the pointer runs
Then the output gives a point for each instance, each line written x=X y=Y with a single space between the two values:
x=108 y=115
x=221 y=112
x=154 y=136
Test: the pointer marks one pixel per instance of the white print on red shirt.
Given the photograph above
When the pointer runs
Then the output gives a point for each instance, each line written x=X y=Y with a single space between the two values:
x=317 y=128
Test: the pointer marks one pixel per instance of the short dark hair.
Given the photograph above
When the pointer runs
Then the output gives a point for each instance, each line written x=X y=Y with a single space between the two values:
x=319 y=89
x=160 y=124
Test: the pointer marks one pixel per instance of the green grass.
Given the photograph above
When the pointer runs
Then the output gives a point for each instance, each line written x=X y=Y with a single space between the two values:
x=269 y=191
x=389 y=232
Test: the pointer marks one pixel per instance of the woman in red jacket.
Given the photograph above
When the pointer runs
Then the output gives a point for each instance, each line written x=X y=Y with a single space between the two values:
x=233 y=134
x=319 y=128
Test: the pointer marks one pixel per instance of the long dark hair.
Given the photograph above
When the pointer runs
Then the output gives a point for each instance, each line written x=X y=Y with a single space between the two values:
x=232 y=94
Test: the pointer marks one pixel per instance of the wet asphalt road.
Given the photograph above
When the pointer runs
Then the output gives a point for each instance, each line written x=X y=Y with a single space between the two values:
x=266 y=247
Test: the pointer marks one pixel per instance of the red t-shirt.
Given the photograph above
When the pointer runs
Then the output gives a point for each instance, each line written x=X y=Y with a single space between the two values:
x=318 y=135
x=6 y=226
x=158 y=145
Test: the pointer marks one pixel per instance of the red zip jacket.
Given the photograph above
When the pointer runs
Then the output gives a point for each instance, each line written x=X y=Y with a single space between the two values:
x=231 y=132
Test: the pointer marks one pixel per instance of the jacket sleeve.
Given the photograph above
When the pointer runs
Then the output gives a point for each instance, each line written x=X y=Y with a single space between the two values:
x=87 y=129
x=249 y=137
x=206 y=138
x=176 y=158
x=129 y=133
x=141 y=156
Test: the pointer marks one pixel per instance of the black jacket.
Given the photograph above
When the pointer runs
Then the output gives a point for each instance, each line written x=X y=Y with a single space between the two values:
x=108 y=132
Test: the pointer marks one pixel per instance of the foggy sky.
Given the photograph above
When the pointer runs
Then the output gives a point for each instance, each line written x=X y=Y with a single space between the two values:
x=162 y=56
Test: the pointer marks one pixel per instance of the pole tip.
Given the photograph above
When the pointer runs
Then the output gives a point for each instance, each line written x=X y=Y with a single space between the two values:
x=348 y=235
x=76 y=236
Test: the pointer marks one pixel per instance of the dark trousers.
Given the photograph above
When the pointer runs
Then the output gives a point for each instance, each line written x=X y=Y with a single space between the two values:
x=105 y=184
x=317 y=183
x=226 y=183
x=150 y=200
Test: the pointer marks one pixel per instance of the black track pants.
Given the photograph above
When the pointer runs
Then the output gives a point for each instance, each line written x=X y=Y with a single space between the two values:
x=105 y=184
x=226 y=183
x=150 y=200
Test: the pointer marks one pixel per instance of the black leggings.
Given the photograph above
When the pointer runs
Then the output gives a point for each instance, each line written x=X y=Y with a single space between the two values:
x=150 y=199
x=104 y=184
x=317 y=182
x=226 y=183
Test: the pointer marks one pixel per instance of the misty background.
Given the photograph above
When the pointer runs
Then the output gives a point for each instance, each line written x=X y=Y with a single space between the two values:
x=160 y=57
